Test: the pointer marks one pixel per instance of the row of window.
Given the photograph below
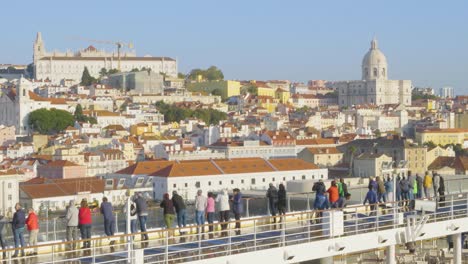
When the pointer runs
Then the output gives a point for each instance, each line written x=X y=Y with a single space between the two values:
x=253 y=181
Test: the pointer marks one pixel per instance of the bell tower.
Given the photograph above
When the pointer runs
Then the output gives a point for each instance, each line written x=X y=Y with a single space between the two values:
x=38 y=51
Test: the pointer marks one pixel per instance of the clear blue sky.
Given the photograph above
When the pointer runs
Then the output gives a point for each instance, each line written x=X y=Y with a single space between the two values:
x=425 y=41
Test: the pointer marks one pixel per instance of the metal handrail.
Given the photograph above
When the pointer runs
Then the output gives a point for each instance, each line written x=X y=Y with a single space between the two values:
x=264 y=225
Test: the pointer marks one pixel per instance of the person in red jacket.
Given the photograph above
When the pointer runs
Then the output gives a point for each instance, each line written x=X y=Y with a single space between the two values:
x=85 y=221
x=33 y=227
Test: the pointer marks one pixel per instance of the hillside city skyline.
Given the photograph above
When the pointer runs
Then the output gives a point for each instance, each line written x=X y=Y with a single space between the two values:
x=424 y=43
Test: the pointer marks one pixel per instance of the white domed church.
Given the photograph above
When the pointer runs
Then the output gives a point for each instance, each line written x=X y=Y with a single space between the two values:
x=374 y=88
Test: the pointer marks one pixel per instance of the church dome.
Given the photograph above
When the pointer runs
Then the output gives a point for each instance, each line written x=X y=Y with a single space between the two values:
x=374 y=63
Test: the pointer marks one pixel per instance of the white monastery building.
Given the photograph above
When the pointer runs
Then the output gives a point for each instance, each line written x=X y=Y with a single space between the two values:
x=374 y=88
x=57 y=66
x=186 y=177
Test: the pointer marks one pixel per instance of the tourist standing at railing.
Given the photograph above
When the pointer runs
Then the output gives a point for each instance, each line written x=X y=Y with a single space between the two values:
x=17 y=224
x=142 y=212
x=223 y=207
x=210 y=212
x=419 y=181
x=168 y=210
x=319 y=188
x=398 y=188
x=389 y=189
x=436 y=184
x=3 y=231
x=200 y=206
x=132 y=215
x=107 y=210
x=85 y=221
x=72 y=223
x=282 y=200
x=381 y=193
x=371 y=198
x=333 y=195
x=344 y=188
x=272 y=196
x=373 y=184
x=237 y=208
x=441 y=190
x=180 y=209
x=427 y=185
x=405 y=189
x=32 y=223
x=411 y=182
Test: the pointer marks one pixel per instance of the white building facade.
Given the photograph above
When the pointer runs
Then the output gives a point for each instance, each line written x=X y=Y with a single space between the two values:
x=58 y=66
x=374 y=88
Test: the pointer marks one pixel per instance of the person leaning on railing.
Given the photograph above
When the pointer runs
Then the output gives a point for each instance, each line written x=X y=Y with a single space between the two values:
x=33 y=226
x=371 y=198
x=72 y=223
x=3 y=230
x=180 y=208
x=237 y=208
x=85 y=222
x=142 y=212
x=17 y=224
x=222 y=199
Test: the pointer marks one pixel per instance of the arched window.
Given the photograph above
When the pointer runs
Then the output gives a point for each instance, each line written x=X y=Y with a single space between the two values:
x=383 y=72
x=376 y=73
x=367 y=72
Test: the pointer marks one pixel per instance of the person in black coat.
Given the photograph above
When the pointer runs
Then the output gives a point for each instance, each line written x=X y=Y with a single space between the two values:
x=281 y=200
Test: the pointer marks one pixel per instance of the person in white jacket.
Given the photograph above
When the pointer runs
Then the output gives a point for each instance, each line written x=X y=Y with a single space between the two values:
x=223 y=207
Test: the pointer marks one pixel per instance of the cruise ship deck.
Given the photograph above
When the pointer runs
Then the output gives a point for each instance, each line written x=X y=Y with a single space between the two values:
x=295 y=237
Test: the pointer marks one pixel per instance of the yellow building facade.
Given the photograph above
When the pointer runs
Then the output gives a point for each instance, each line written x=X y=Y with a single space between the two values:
x=442 y=136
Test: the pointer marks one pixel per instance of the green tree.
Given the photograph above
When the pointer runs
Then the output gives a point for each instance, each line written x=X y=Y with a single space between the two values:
x=103 y=72
x=86 y=78
x=175 y=114
x=216 y=92
x=430 y=144
x=193 y=75
x=214 y=74
x=112 y=71
x=30 y=70
x=50 y=121
x=377 y=133
x=135 y=70
x=181 y=75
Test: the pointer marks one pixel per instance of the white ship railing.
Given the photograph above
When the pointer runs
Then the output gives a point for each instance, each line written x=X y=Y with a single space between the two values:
x=255 y=234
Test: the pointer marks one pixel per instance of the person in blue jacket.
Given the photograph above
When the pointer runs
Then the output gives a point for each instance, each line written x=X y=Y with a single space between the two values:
x=237 y=208
x=371 y=198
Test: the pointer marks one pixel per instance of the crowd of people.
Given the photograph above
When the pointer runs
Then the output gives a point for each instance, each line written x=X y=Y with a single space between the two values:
x=79 y=220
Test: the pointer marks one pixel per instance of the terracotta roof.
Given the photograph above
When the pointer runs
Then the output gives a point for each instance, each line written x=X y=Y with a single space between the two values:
x=250 y=165
x=33 y=96
x=441 y=162
x=44 y=188
x=316 y=141
x=331 y=150
x=462 y=163
x=145 y=167
x=61 y=163
x=292 y=164
x=188 y=168
x=115 y=127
